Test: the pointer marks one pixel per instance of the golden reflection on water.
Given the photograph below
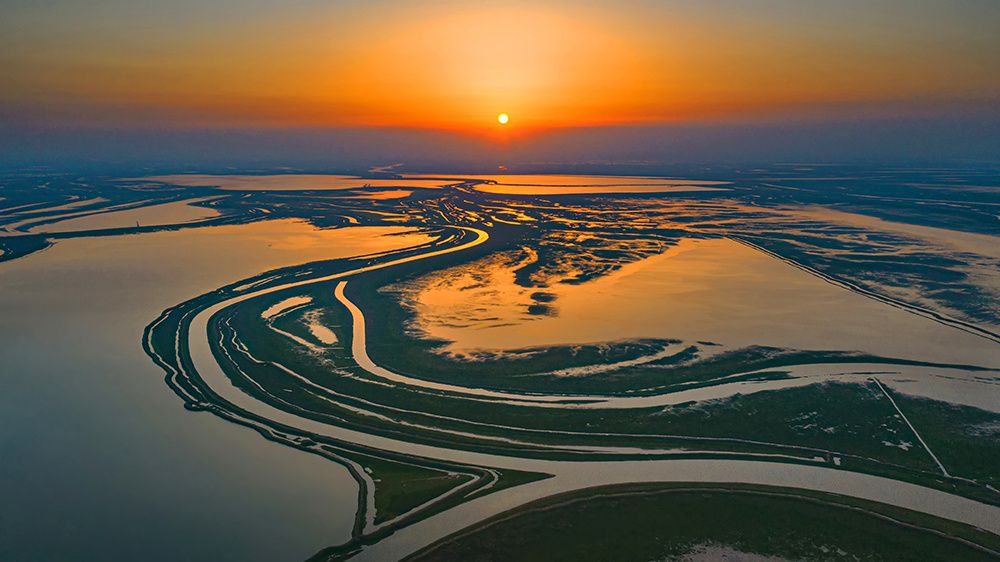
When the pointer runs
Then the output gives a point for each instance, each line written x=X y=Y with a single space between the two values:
x=699 y=290
x=302 y=242
x=520 y=184
x=556 y=184
x=167 y=213
x=286 y=182
x=206 y=258
x=383 y=195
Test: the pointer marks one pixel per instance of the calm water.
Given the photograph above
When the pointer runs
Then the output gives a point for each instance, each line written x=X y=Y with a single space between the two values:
x=100 y=460
x=699 y=290
x=289 y=182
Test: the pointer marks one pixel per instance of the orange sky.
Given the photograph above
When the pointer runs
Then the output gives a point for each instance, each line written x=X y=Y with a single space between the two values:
x=453 y=65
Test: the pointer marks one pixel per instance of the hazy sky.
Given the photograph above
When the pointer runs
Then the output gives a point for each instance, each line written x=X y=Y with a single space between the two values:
x=448 y=65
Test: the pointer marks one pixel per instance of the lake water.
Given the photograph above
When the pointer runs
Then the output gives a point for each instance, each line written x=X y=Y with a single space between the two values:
x=699 y=290
x=287 y=182
x=100 y=459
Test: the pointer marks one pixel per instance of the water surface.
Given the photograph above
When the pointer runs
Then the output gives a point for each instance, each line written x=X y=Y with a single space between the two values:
x=100 y=459
x=288 y=182
x=713 y=290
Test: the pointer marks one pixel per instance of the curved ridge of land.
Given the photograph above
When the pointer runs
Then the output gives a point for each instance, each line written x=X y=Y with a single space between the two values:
x=371 y=418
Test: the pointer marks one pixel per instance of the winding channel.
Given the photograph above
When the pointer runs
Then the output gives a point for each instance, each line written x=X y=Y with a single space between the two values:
x=983 y=394
x=567 y=475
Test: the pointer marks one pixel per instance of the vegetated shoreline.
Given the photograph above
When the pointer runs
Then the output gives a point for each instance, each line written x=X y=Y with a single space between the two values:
x=950 y=530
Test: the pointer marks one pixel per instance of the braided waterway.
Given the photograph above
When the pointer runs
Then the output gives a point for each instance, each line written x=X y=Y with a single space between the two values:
x=567 y=475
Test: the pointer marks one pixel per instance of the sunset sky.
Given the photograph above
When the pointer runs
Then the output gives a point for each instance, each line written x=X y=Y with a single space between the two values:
x=453 y=66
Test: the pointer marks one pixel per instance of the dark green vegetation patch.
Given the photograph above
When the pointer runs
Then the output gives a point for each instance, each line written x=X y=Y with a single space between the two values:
x=661 y=521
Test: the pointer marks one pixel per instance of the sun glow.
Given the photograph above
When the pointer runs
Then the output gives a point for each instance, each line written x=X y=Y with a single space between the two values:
x=441 y=64
x=503 y=118
x=551 y=70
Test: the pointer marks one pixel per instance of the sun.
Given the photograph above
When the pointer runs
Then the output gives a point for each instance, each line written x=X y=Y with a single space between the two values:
x=503 y=118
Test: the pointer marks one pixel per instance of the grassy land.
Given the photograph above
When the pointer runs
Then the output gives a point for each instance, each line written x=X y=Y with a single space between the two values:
x=851 y=426
x=965 y=439
x=391 y=345
x=658 y=521
x=402 y=487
